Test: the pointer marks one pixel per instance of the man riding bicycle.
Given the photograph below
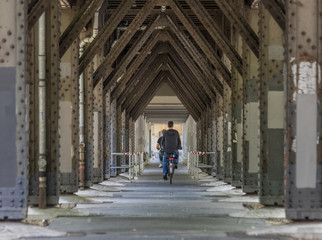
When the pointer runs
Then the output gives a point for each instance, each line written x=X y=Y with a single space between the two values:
x=171 y=143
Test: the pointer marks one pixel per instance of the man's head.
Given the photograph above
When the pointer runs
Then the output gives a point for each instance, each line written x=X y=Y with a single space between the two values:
x=163 y=130
x=170 y=124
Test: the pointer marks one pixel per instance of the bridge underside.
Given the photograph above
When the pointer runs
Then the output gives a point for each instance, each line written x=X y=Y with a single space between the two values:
x=82 y=82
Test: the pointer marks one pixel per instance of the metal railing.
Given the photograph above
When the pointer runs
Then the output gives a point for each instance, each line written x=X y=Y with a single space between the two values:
x=135 y=166
x=194 y=165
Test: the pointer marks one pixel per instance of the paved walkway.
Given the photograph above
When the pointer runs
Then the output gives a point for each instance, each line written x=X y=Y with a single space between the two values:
x=151 y=208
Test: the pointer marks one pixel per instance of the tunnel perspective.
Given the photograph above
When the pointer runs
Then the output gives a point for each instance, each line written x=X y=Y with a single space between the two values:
x=84 y=81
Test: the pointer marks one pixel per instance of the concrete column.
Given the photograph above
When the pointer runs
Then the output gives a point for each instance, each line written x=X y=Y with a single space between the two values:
x=13 y=110
x=189 y=136
x=303 y=153
x=250 y=111
x=271 y=188
x=237 y=120
x=119 y=137
x=69 y=112
x=52 y=108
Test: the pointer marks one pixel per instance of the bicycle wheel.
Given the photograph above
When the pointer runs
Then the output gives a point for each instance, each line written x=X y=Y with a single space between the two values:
x=171 y=176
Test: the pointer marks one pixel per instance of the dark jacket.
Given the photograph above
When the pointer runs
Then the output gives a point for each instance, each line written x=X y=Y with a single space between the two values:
x=160 y=143
x=171 y=141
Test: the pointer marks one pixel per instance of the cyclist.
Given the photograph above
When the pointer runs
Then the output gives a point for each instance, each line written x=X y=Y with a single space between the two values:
x=160 y=148
x=171 y=143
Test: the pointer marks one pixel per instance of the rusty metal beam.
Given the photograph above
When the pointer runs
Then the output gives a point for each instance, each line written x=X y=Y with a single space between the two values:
x=196 y=56
x=136 y=85
x=121 y=67
x=77 y=24
x=121 y=87
x=201 y=41
x=104 y=34
x=147 y=95
x=216 y=33
x=186 y=101
x=240 y=23
x=124 y=39
x=202 y=79
x=34 y=12
x=277 y=10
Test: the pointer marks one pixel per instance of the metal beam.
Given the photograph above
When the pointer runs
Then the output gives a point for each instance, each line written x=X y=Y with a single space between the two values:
x=77 y=24
x=196 y=55
x=201 y=41
x=277 y=10
x=124 y=39
x=240 y=23
x=121 y=89
x=104 y=34
x=34 y=12
x=147 y=95
x=126 y=60
x=216 y=33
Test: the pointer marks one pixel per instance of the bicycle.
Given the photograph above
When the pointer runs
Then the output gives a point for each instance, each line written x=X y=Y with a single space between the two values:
x=171 y=167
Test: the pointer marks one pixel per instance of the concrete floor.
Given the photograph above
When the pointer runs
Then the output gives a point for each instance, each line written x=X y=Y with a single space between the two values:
x=151 y=208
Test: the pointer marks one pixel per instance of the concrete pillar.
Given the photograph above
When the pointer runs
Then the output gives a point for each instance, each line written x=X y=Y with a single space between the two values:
x=303 y=153
x=13 y=110
x=189 y=136
x=69 y=112
x=271 y=188
x=250 y=113
x=52 y=108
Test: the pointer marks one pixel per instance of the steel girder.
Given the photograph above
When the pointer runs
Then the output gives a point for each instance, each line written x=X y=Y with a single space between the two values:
x=126 y=60
x=188 y=89
x=104 y=34
x=183 y=98
x=277 y=10
x=238 y=20
x=77 y=24
x=147 y=67
x=124 y=40
x=35 y=11
x=201 y=41
x=148 y=94
x=198 y=58
x=165 y=60
x=303 y=140
x=215 y=32
x=14 y=127
x=121 y=90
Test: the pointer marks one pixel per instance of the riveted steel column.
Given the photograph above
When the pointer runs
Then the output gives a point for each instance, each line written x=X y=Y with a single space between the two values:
x=251 y=112
x=237 y=110
x=213 y=138
x=88 y=124
x=131 y=135
x=119 y=140
x=52 y=111
x=107 y=134
x=69 y=112
x=220 y=138
x=98 y=133
x=13 y=106
x=227 y=133
x=271 y=110
x=303 y=151
x=113 y=137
